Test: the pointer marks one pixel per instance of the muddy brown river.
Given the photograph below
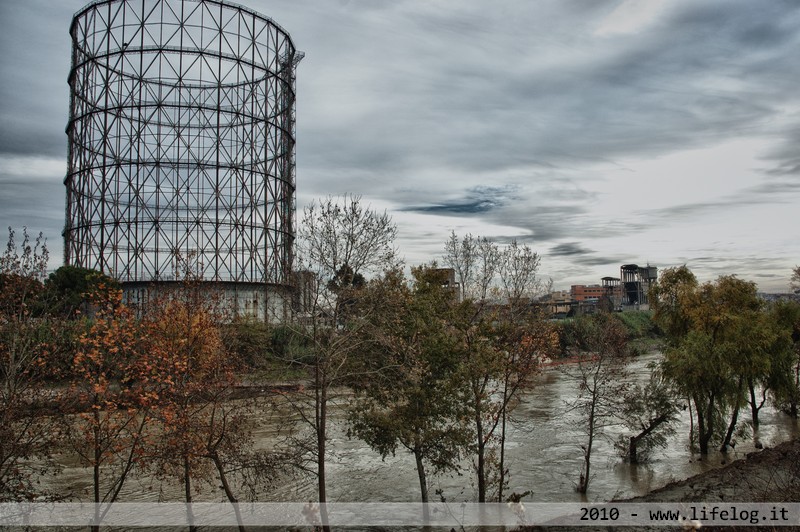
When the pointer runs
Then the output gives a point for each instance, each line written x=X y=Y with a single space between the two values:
x=543 y=455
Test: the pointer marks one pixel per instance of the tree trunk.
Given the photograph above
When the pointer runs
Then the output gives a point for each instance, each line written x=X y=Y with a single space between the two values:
x=227 y=488
x=793 y=400
x=703 y=434
x=423 y=481
x=96 y=469
x=481 y=450
x=691 y=423
x=651 y=426
x=731 y=427
x=423 y=486
x=583 y=484
x=187 y=485
x=754 y=409
x=502 y=447
x=321 y=407
x=734 y=418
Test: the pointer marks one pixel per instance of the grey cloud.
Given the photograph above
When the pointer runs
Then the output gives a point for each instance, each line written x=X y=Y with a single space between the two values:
x=477 y=200
x=645 y=98
x=34 y=92
x=579 y=255
x=467 y=100
x=520 y=97
x=600 y=261
x=764 y=194
x=785 y=158
x=709 y=267
x=569 y=249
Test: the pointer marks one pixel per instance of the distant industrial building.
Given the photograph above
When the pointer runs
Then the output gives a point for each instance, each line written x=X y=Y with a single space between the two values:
x=636 y=282
x=626 y=292
x=581 y=292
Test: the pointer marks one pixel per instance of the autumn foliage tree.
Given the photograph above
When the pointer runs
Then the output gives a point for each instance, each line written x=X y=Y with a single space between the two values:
x=113 y=390
x=205 y=435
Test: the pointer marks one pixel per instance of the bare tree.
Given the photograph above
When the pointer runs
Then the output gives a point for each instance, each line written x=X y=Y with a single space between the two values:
x=460 y=254
x=795 y=279
x=340 y=241
x=519 y=266
x=488 y=263
x=341 y=232
x=475 y=261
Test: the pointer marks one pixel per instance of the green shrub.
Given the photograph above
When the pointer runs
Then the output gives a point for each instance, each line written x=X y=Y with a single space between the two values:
x=250 y=341
x=639 y=324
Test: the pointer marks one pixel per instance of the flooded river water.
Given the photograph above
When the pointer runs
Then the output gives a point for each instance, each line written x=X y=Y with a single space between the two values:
x=543 y=456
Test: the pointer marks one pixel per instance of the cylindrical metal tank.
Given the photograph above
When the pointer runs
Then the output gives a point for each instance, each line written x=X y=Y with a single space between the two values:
x=181 y=143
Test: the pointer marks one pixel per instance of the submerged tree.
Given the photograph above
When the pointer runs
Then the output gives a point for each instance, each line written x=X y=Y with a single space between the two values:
x=504 y=343
x=720 y=348
x=648 y=411
x=784 y=379
x=601 y=377
x=408 y=377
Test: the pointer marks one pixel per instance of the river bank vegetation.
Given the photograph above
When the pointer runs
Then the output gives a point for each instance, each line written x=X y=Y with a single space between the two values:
x=420 y=365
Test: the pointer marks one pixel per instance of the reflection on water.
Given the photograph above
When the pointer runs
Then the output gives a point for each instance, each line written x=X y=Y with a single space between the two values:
x=543 y=455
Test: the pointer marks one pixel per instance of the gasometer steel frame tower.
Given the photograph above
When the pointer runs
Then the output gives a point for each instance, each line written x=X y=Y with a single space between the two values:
x=181 y=148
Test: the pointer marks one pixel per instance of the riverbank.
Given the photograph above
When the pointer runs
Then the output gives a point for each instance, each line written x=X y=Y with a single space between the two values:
x=770 y=475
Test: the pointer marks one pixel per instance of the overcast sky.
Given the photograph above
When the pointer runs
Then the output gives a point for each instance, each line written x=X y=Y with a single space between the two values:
x=600 y=132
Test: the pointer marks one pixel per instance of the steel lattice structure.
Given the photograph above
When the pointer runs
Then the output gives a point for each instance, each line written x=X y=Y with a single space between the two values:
x=181 y=142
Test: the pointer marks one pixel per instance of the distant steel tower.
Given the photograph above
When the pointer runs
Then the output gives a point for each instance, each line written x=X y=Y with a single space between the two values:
x=181 y=144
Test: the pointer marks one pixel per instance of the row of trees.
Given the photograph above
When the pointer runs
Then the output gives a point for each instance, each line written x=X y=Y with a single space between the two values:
x=726 y=350
x=149 y=391
x=436 y=369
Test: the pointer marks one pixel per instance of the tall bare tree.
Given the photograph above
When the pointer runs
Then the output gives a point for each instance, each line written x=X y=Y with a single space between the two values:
x=475 y=260
x=460 y=254
x=519 y=266
x=341 y=232
x=488 y=263
x=340 y=242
